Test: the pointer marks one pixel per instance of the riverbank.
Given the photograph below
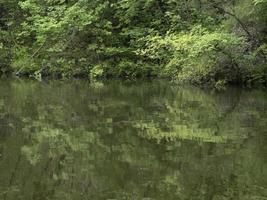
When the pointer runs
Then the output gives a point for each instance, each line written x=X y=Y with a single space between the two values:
x=249 y=81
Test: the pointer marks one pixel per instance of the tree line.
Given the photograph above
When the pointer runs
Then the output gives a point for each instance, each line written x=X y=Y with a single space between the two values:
x=214 y=42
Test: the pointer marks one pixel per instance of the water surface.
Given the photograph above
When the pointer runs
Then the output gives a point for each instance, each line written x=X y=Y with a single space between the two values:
x=75 y=140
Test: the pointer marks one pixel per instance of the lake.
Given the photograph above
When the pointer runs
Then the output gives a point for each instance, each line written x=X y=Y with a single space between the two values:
x=145 y=140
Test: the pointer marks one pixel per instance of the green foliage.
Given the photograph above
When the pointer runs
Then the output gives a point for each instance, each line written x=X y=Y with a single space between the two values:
x=132 y=69
x=23 y=61
x=97 y=71
x=188 y=40
x=198 y=56
x=258 y=2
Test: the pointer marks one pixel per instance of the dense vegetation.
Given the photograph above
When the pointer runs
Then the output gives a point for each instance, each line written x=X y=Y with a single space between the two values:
x=199 y=41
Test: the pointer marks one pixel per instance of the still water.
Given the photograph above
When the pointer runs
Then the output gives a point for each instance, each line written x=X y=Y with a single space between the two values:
x=75 y=140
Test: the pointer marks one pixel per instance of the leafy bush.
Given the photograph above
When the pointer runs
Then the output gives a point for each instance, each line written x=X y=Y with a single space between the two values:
x=23 y=62
x=198 y=56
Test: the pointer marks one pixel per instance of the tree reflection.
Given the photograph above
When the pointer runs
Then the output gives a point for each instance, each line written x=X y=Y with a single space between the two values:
x=75 y=140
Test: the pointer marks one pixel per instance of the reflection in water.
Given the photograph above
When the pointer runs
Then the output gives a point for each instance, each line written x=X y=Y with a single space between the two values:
x=151 y=140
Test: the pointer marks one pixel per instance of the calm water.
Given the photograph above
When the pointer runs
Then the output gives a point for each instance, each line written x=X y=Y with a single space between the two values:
x=75 y=140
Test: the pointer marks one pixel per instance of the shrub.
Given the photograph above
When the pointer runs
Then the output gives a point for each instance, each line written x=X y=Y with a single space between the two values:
x=23 y=62
x=198 y=56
